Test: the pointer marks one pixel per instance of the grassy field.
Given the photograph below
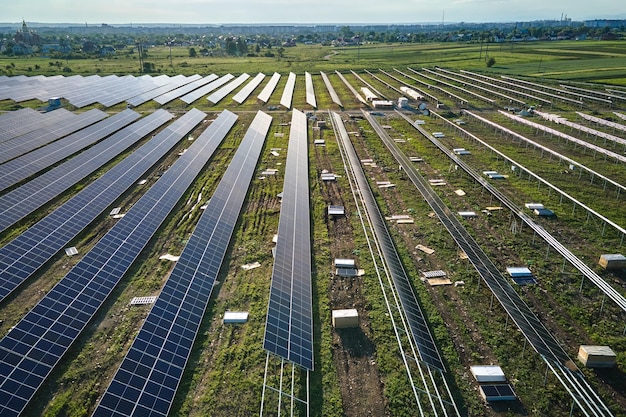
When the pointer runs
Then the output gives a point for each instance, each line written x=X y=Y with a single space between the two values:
x=589 y=60
x=225 y=370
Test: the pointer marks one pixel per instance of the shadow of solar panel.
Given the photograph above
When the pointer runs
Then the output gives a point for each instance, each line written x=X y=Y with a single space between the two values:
x=172 y=324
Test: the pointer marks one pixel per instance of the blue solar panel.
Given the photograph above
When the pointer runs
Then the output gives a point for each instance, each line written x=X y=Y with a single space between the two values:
x=18 y=203
x=26 y=165
x=22 y=256
x=75 y=299
x=151 y=371
x=289 y=327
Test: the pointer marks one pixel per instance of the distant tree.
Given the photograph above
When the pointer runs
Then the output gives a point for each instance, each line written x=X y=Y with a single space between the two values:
x=257 y=49
x=192 y=52
x=281 y=51
x=491 y=62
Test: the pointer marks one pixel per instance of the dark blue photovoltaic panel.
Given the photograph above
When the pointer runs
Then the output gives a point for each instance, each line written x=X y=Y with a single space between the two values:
x=182 y=90
x=27 y=198
x=25 y=121
x=289 y=327
x=18 y=169
x=150 y=373
x=22 y=256
x=67 y=308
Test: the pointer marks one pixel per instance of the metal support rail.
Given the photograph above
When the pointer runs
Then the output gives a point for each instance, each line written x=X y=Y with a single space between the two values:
x=433 y=379
x=587 y=272
x=466 y=91
x=356 y=93
x=531 y=327
x=422 y=92
x=593 y=173
x=565 y=136
x=460 y=99
x=448 y=75
x=521 y=93
x=370 y=86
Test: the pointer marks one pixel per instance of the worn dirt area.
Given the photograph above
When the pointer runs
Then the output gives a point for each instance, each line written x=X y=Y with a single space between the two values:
x=354 y=353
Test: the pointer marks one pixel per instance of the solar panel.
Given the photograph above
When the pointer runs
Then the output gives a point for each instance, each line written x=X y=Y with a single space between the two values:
x=154 y=362
x=243 y=94
x=289 y=326
x=196 y=94
x=285 y=99
x=21 y=201
x=417 y=321
x=22 y=256
x=24 y=122
x=47 y=331
x=310 y=91
x=227 y=89
x=184 y=89
x=269 y=88
x=171 y=84
x=26 y=165
x=331 y=90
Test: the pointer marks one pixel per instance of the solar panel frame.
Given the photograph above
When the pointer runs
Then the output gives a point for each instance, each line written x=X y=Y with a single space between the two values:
x=180 y=308
x=18 y=169
x=218 y=95
x=25 y=254
x=289 y=325
x=184 y=89
x=73 y=301
x=269 y=88
x=243 y=94
x=287 y=96
x=196 y=94
x=310 y=91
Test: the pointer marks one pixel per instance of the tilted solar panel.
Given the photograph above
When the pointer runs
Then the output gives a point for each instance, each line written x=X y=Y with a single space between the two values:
x=37 y=342
x=25 y=254
x=18 y=169
x=289 y=326
x=157 y=358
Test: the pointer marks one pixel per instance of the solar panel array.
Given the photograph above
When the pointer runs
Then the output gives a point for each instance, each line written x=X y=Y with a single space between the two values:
x=217 y=96
x=196 y=94
x=310 y=91
x=269 y=88
x=182 y=90
x=147 y=380
x=415 y=317
x=285 y=99
x=20 y=122
x=172 y=84
x=289 y=326
x=243 y=94
x=25 y=199
x=20 y=168
x=44 y=133
x=331 y=89
x=21 y=257
x=34 y=346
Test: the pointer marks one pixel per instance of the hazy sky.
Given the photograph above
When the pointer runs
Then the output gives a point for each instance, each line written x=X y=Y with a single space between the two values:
x=299 y=11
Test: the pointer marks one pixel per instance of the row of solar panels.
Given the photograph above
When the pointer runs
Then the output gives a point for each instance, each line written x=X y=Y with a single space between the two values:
x=146 y=381
x=111 y=90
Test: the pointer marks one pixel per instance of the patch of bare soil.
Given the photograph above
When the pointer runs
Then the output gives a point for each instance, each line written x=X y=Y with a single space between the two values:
x=354 y=353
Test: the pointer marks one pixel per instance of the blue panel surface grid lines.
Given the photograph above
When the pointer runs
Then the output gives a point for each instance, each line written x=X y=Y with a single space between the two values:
x=71 y=304
x=179 y=310
x=289 y=326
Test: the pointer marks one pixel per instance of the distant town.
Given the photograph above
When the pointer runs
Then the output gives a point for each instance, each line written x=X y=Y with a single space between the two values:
x=73 y=40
